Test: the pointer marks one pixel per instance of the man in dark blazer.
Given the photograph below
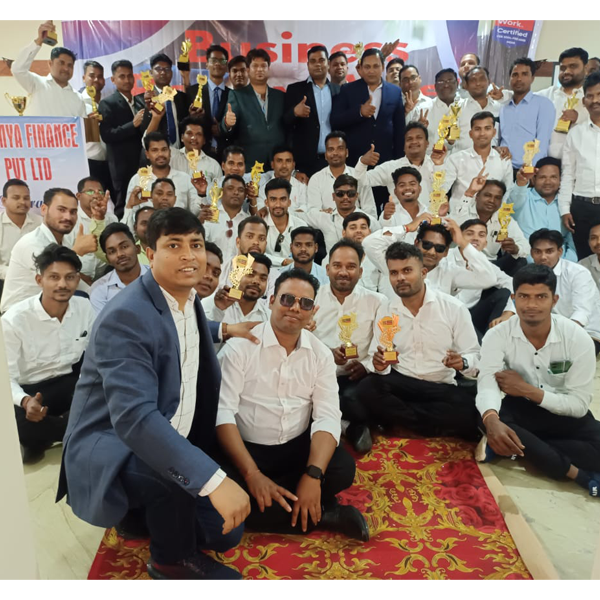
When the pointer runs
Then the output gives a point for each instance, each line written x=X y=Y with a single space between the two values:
x=254 y=116
x=308 y=110
x=120 y=129
x=142 y=423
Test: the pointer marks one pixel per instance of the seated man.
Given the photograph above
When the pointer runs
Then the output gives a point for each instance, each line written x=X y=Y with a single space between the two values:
x=122 y=254
x=406 y=203
x=434 y=338
x=140 y=438
x=279 y=420
x=45 y=337
x=163 y=195
x=592 y=262
x=545 y=365
x=578 y=295
x=344 y=297
x=140 y=224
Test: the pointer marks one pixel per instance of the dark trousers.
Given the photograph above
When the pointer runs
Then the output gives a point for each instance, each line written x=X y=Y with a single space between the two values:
x=285 y=464
x=179 y=522
x=553 y=442
x=490 y=306
x=99 y=169
x=350 y=404
x=429 y=409
x=381 y=196
x=57 y=395
x=585 y=215
x=508 y=264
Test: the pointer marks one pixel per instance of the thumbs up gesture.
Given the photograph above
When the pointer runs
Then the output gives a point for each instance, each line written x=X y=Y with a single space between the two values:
x=389 y=209
x=370 y=158
x=230 y=118
x=35 y=411
x=367 y=109
x=301 y=110
x=85 y=243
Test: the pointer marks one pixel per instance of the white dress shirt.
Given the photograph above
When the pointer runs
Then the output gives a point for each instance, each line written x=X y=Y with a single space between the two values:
x=469 y=109
x=402 y=216
x=40 y=347
x=320 y=192
x=272 y=396
x=93 y=150
x=107 y=287
x=234 y=314
x=580 y=165
x=364 y=304
x=578 y=296
x=208 y=165
x=273 y=235
x=371 y=276
x=376 y=98
x=423 y=103
x=298 y=195
x=317 y=271
x=10 y=234
x=217 y=234
x=593 y=266
x=443 y=323
x=48 y=99
x=436 y=112
x=506 y=347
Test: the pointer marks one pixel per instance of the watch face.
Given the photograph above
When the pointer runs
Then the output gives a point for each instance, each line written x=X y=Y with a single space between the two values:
x=314 y=472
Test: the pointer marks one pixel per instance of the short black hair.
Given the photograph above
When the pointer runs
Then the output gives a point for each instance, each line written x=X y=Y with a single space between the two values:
x=303 y=230
x=336 y=134
x=439 y=228
x=574 y=53
x=212 y=247
x=233 y=150
x=49 y=194
x=345 y=180
x=278 y=183
x=216 y=48
x=142 y=210
x=56 y=52
x=549 y=235
x=319 y=48
x=258 y=53
x=533 y=274
x=549 y=160
x=160 y=57
x=114 y=228
x=338 y=54
x=481 y=115
x=591 y=80
x=10 y=183
x=170 y=221
x=235 y=177
x=190 y=120
x=394 y=61
x=280 y=150
x=249 y=220
x=495 y=182
x=406 y=171
x=407 y=67
x=355 y=216
x=344 y=243
x=263 y=259
x=527 y=62
x=372 y=52
x=236 y=60
x=121 y=63
x=81 y=183
x=403 y=251
x=296 y=274
x=471 y=223
x=92 y=63
x=471 y=72
x=163 y=180
x=444 y=72
x=155 y=136
x=56 y=253
x=417 y=125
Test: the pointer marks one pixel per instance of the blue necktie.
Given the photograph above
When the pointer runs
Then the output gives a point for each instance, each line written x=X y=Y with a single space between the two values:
x=171 y=130
x=216 y=101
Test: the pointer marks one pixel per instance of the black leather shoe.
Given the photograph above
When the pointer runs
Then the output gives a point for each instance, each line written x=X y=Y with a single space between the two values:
x=347 y=520
x=197 y=566
x=31 y=455
x=360 y=437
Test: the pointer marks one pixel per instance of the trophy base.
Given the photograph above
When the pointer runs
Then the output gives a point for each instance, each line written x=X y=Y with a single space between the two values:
x=391 y=357
x=51 y=39
x=562 y=126
x=157 y=108
x=197 y=103
x=528 y=169
x=197 y=175
x=235 y=293
x=351 y=351
x=439 y=145
x=436 y=221
x=501 y=236
x=183 y=65
x=146 y=194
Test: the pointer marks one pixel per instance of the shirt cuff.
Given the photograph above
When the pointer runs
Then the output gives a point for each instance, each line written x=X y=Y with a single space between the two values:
x=335 y=429
x=225 y=417
x=213 y=483
x=488 y=402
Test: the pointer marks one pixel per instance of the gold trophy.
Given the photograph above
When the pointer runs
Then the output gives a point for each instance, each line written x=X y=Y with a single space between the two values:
x=148 y=85
x=240 y=267
x=563 y=126
x=504 y=217
x=443 y=131
x=389 y=328
x=202 y=81
x=454 y=134
x=145 y=176
x=531 y=149
x=193 y=156
x=51 y=37
x=91 y=92
x=437 y=196
x=257 y=169
x=18 y=102
x=359 y=48
x=167 y=95
x=183 y=62
x=215 y=195
x=347 y=324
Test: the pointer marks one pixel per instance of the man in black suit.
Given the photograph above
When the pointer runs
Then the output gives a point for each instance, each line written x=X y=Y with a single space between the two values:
x=307 y=112
x=120 y=129
x=214 y=100
x=161 y=69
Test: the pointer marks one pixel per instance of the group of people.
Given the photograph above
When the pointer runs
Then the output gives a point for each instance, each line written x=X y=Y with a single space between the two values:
x=201 y=338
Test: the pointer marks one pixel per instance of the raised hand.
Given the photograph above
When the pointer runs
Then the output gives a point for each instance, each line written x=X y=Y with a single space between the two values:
x=301 y=110
x=34 y=409
x=367 y=109
x=43 y=30
x=477 y=183
x=135 y=197
x=423 y=117
x=496 y=93
x=370 y=157
x=389 y=47
x=230 y=118
x=409 y=103
x=389 y=209
x=137 y=120
x=85 y=243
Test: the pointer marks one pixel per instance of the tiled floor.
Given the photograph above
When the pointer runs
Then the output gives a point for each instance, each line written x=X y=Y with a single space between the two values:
x=564 y=517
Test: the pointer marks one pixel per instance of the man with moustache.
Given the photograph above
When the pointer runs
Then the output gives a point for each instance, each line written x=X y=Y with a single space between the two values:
x=392 y=71
x=163 y=195
x=407 y=204
x=140 y=225
x=416 y=104
x=338 y=68
x=238 y=72
x=591 y=262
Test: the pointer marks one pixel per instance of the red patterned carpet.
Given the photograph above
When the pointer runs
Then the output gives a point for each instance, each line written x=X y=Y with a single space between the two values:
x=430 y=514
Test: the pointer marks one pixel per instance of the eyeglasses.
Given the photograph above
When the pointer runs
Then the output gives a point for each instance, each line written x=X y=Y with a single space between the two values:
x=439 y=248
x=411 y=78
x=92 y=192
x=229 y=231
x=445 y=82
x=279 y=241
x=288 y=300
x=163 y=69
x=217 y=61
x=342 y=193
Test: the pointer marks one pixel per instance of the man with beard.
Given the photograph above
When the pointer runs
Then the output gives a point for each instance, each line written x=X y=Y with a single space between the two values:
x=140 y=225
x=407 y=192
x=338 y=68
x=283 y=165
x=467 y=62
x=592 y=262
x=238 y=72
x=416 y=104
x=162 y=196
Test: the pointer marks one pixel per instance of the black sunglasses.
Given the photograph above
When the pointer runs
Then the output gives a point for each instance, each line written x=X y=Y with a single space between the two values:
x=342 y=193
x=279 y=241
x=288 y=300
x=439 y=248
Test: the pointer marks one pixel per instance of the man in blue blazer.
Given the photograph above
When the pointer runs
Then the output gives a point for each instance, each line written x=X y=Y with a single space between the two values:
x=142 y=424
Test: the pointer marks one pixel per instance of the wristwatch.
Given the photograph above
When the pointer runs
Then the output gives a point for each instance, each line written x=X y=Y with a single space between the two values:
x=465 y=364
x=315 y=472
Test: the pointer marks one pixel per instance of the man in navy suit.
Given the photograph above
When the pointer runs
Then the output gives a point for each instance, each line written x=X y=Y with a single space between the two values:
x=142 y=424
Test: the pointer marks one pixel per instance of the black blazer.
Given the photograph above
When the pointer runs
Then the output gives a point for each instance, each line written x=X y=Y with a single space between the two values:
x=304 y=133
x=181 y=106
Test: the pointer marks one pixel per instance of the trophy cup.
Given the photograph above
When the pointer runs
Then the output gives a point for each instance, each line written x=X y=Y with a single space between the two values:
x=51 y=38
x=202 y=81
x=257 y=169
x=437 y=196
x=563 y=126
x=443 y=131
x=148 y=85
x=183 y=62
x=389 y=328
x=18 y=102
x=347 y=324
x=240 y=267
x=359 y=48
x=193 y=156
x=215 y=195
x=91 y=92
x=454 y=134
x=167 y=95
x=145 y=176
x=504 y=217
x=531 y=149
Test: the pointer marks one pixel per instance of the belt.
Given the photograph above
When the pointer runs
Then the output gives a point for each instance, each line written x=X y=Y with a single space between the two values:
x=595 y=200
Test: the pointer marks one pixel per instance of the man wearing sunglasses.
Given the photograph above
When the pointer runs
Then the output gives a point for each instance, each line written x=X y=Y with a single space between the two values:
x=278 y=421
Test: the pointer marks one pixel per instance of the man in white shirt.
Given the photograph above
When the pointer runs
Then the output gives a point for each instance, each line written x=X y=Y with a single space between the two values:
x=140 y=225
x=162 y=195
x=16 y=221
x=344 y=298
x=45 y=337
x=50 y=96
x=416 y=104
x=579 y=194
x=591 y=262
x=434 y=338
x=270 y=393
x=545 y=365
x=118 y=243
x=578 y=295
x=283 y=166
x=407 y=201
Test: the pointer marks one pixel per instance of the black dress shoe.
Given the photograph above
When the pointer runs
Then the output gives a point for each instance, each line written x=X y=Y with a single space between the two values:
x=32 y=455
x=197 y=566
x=359 y=436
x=347 y=520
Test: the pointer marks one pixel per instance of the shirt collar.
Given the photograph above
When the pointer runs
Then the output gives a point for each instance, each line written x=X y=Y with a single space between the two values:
x=270 y=339
x=559 y=267
x=114 y=279
x=43 y=315
x=174 y=305
x=212 y=85
x=526 y=99
x=125 y=98
x=45 y=231
x=553 y=336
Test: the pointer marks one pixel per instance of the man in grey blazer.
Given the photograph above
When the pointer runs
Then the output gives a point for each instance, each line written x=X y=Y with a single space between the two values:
x=142 y=424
